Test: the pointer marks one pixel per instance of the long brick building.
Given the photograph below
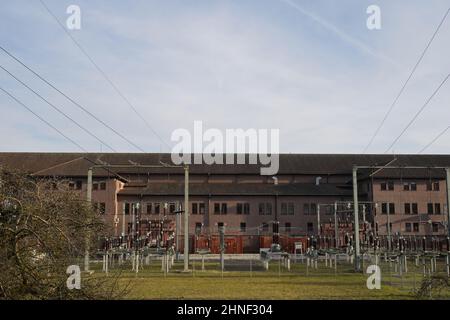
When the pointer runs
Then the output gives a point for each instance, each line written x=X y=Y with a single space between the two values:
x=300 y=199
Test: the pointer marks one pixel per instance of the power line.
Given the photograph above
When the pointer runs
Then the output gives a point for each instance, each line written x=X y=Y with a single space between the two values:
x=434 y=140
x=104 y=75
x=418 y=113
x=58 y=110
x=406 y=82
x=71 y=100
x=43 y=120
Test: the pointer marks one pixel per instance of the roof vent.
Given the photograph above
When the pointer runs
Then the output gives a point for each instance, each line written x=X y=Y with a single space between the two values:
x=318 y=180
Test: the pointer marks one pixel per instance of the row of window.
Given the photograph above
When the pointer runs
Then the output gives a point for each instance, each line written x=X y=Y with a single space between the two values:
x=264 y=227
x=411 y=208
x=415 y=227
x=409 y=186
x=78 y=185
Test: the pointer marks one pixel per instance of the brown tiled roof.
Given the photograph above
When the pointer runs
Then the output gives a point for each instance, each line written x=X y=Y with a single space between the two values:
x=77 y=164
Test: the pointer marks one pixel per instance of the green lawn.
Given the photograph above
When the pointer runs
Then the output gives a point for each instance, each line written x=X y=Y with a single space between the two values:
x=278 y=283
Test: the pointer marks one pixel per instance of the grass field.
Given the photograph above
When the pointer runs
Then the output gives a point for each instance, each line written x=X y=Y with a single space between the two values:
x=300 y=282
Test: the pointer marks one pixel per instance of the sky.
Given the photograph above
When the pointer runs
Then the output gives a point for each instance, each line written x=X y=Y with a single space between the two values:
x=311 y=69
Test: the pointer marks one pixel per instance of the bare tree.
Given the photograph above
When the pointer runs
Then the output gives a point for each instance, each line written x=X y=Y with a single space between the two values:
x=43 y=229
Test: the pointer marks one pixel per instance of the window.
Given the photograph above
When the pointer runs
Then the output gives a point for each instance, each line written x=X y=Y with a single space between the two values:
x=390 y=185
x=436 y=186
x=413 y=186
x=415 y=209
x=437 y=208
x=435 y=227
x=102 y=208
x=246 y=208
x=243 y=226
x=430 y=208
x=126 y=208
x=328 y=210
x=95 y=186
x=310 y=227
x=102 y=185
x=149 y=208
x=202 y=207
x=408 y=227
x=78 y=185
x=283 y=208
x=172 y=208
x=287 y=227
x=265 y=226
x=306 y=208
x=313 y=208
x=268 y=209
x=261 y=208
x=383 y=186
x=239 y=208
x=157 y=208
x=290 y=209
x=194 y=208
x=223 y=208
x=384 y=208
x=406 y=186
x=407 y=208
x=433 y=186
x=416 y=227
x=198 y=227
x=391 y=208
x=429 y=186
x=216 y=208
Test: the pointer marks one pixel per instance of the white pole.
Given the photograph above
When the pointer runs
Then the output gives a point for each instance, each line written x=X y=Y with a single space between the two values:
x=186 y=218
x=356 y=217
x=89 y=200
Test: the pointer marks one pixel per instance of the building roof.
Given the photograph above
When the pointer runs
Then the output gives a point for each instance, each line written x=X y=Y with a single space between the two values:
x=77 y=164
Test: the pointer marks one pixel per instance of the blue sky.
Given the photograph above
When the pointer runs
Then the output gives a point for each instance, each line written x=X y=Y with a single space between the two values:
x=309 y=68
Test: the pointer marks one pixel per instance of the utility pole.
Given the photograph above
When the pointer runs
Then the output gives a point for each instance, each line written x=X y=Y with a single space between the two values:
x=89 y=201
x=389 y=228
x=318 y=221
x=447 y=173
x=186 y=218
x=356 y=221
x=336 y=232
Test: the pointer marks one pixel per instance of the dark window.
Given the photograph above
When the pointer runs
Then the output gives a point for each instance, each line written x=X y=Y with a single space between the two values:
x=407 y=208
x=415 y=209
x=95 y=186
x=71 y=185
x=126 y=208
x=430 y=208
x=202 y=208
x=415 y=227
x=435 y=227
x=413 y=186
x=429 y=186
x=287 y=227
x=216 y=208
x=310 y=227
x=194 y=208
x=102 y=208
x=268 y=209
x=313 y=208
x=149 y=208
x=102 y=185
x=246 y=208
x=383 y=186
x=290 y=209
x=390 y=185
x=239 y=209
x=283 y=208
x=408 y=227
x=384 y=208
x=223 y=209
x=78 y=185
x=406 y=186
x=243 y=226
x=306 y=208
x=436 y=186
x=198 y=227
x=157 y=208
x=437 y=208
x=391 y=208
x=261 y=208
